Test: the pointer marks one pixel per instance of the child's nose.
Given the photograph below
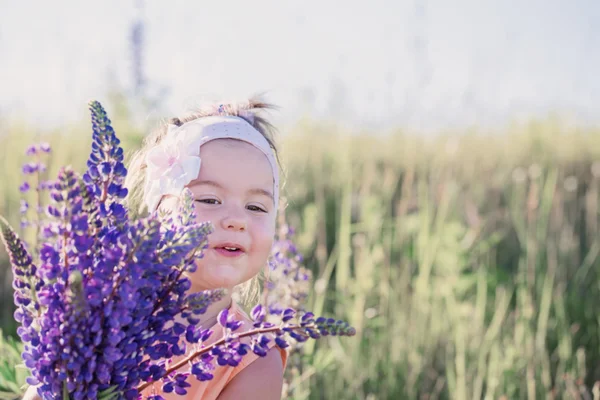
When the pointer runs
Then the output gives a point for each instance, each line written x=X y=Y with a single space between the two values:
x=234 y=220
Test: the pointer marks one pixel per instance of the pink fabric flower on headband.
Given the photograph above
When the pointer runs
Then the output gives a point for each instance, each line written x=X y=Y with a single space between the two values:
x=170 y=166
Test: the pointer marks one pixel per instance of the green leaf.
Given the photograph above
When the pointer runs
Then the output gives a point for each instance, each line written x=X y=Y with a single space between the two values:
x=9 y=395
x=13 y=387
x=12 y=377
x=7 y=375
x=108 y=394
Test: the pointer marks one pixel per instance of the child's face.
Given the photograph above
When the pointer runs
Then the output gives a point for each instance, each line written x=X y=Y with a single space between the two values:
x=234 y=191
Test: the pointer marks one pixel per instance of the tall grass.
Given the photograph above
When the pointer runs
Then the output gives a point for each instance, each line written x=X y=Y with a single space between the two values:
x=468 y=264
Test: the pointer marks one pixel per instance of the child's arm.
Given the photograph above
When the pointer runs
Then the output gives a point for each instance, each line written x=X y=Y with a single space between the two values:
x=262 y=379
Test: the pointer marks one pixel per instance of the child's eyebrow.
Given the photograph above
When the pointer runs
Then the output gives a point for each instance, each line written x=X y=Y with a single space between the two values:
x=257 y=191
x=207 y=182
x=261 y=192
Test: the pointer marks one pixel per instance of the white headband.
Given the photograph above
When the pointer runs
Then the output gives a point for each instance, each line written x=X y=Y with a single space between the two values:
x=175 y=162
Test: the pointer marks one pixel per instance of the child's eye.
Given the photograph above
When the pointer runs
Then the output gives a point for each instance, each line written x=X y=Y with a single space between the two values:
x=207 y=201
x=256 y=208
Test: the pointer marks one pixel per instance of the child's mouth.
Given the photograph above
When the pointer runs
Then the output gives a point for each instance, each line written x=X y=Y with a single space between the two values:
x=228 y=251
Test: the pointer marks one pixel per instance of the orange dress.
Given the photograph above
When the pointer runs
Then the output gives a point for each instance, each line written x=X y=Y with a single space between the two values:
x=210 y=390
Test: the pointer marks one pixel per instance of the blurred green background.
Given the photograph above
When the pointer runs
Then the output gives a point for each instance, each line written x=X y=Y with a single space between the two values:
x=468 y=262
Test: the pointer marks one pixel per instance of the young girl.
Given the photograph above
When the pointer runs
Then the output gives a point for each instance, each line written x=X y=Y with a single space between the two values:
x=225 y=155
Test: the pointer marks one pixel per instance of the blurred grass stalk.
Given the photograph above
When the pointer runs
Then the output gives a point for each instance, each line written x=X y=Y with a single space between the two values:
x=468 y=264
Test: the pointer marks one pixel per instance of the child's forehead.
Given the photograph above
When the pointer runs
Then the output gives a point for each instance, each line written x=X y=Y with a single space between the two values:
x=220 y=156
x=227 y=143
x=231 y=149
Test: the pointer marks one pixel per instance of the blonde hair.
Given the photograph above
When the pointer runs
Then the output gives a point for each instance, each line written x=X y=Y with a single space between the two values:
x=250 y=111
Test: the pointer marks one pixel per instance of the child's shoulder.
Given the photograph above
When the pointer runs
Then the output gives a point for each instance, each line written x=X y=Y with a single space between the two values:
x=262 y=376
x=256 y=374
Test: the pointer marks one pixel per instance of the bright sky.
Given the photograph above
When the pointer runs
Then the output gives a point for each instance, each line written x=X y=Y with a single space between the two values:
x=418 y=63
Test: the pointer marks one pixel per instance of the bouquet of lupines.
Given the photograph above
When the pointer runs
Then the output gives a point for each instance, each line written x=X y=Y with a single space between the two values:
x=102 y=298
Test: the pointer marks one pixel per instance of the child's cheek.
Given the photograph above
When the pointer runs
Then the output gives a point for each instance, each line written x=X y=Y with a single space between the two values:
x=200 y=215
x=267 y=237
x=204 y=214
x=204 y=277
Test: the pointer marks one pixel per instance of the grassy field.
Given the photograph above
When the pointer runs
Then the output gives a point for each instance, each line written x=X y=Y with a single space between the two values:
x=467 y=263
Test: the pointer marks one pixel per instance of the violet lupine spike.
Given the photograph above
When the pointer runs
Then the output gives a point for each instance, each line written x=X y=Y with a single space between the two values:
x=184 y=243
x=34 y=168
x=302 y=326
x=106 y=171
x=187 y=211
x=197 y=303
x=288 y=286
x=67 y=204
x=24 y=271
x=289 y=280
x=230 y=350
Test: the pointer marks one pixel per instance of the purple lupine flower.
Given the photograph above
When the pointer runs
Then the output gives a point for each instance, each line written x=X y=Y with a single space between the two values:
x=30 y=168
x=24 y=206
x=289 y=280
x=258 y=313
x=202 y=369
x=45 y=147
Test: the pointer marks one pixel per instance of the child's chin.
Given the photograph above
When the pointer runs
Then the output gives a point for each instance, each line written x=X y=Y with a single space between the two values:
x=223 y=276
